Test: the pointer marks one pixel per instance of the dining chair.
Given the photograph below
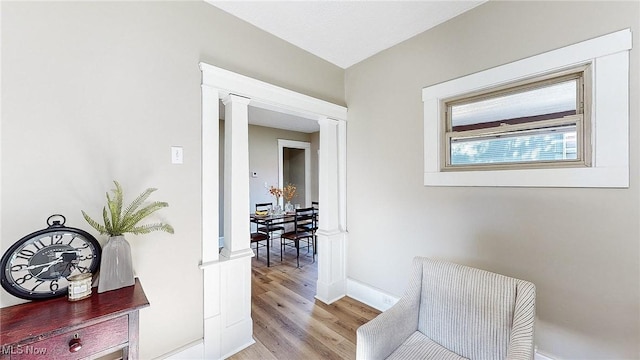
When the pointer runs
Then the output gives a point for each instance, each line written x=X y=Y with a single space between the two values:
x=316 y=207
x=311 y=226
x=255 y=238
x=302 y=218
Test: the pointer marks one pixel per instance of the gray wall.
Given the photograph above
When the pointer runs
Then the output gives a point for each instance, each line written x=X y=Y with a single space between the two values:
x=97 y=91
x=263 y=158
x=579 y=246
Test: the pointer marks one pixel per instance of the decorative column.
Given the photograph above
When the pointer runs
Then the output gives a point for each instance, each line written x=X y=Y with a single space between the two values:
x=342 y=179
x=236 y=325
x=236 y=177
x=331 y=232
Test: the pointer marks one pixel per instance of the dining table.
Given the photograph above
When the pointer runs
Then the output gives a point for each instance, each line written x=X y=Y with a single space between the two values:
x=270 y=220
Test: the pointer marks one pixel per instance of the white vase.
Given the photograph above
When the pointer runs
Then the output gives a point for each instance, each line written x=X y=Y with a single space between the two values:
x=116 y=268
x=288 y=207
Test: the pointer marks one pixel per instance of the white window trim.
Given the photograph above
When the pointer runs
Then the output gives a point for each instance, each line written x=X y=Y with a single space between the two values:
x=609 y=55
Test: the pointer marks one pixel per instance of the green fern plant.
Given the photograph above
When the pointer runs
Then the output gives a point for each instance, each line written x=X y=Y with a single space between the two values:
x=117 y=222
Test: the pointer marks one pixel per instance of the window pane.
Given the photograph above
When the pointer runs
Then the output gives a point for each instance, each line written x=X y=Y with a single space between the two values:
x=552 y=101
x=557 y=143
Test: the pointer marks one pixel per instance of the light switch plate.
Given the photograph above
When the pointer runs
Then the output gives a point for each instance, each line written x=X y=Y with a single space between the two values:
x=176 y=155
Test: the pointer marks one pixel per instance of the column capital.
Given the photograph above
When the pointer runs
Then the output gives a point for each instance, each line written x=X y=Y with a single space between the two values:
x=327 y=121
x=236 y=99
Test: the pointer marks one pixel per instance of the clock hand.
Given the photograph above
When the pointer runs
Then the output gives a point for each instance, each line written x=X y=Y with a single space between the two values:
x=43 y=270
x=49 y=264
x=47 y=268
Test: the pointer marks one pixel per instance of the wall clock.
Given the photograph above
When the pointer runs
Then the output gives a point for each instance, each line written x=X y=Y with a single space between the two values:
x=37 y=266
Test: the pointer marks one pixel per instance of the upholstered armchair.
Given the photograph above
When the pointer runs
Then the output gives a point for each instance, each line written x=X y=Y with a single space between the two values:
x=451 y=311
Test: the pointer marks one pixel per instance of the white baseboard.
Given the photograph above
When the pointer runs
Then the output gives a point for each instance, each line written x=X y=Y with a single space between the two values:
x=541 y=356
x=329 y=293
x=192 y=351
x=238 y=349
x=369 y=295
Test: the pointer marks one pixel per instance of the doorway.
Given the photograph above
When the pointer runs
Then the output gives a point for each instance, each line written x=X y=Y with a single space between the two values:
x=226 y=291
x=293 y=173
x=294 y=164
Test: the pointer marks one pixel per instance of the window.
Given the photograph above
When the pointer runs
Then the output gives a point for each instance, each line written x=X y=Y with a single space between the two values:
x=539 y=123
x=565 y=114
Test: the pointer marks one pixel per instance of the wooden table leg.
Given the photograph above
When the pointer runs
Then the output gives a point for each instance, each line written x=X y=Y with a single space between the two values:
x=134 y=324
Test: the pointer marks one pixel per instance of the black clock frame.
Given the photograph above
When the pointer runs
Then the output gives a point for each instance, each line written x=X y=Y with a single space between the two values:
x=55 y=226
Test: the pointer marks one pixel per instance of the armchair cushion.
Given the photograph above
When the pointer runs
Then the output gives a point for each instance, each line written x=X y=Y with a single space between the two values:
x=418 y=346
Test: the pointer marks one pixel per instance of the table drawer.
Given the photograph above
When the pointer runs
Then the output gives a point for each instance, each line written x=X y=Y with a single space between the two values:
x=94 y=339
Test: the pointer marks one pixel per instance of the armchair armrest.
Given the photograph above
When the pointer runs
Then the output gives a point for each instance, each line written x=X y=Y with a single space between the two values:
x=521 y=345
x=378 y=338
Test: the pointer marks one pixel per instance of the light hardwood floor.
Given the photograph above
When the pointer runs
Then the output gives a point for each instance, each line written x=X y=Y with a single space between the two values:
x=288 y=322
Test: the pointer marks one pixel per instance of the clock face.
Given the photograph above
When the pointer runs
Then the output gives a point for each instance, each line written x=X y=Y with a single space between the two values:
x=37 y=266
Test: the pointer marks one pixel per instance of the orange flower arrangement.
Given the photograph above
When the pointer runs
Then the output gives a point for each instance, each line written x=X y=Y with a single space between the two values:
x=289 y=192
x=277 y=192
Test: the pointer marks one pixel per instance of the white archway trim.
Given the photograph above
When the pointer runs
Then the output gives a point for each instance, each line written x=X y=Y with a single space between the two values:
x=307 y=165
x=227 y=276
x=270 y=97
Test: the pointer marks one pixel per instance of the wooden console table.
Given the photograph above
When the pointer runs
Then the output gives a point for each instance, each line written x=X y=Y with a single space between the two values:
x=60 y=329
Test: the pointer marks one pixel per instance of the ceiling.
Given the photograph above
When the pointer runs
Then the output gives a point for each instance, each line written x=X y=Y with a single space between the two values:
x=345 y=32
x=279 y=120
x=342 y=32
